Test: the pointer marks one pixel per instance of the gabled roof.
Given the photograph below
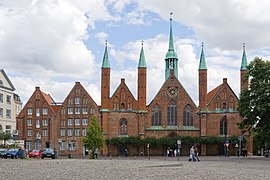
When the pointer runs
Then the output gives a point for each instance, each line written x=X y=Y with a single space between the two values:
x=212 y=94
x=12 y=88
x=118 y=88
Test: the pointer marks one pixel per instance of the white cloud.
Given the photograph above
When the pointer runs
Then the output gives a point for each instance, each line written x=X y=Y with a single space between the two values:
x=102 y=37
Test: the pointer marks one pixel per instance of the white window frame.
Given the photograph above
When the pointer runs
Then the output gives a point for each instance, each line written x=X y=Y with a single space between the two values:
x=44 y=111
x=77 y=100
x=62 y=146
x=45 y=122
x=8 y=99
x=29 y=145
x=37 y=112
x=29 y=122
x=37 y=123
x=85 y=122
x=62 y=132
x=29 y=112
x=70 y=132
x=77 y=122
x=77 y=110
x=70 y=110
x=70 y=122
x=84 y=110
x=83 y=132
x=77 y=132
x=29 y=133
x=1 y=97
x=44 y=132
x=1 y=112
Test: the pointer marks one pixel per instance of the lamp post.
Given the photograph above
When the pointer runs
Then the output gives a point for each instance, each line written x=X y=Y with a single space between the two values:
x=179 y=147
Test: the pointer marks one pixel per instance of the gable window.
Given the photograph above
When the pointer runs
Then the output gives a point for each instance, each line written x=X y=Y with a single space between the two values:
x=77 y=110
x=29 y=111
x=77 y=100
x=45 y=122
x=69 y=132
x=29 y=133
x=62 y=132
x=70 y=110
x=37 y=112
x=123 y=127
x=1 y=97
x=83 y=132
x=70 y=101
x=84 y=121
x=70 y=122
x=44 y=132
x=188 y=116
x=77 y=122
x=84 y=110
x=29 y=122
x=172 y=114
x=37 y=123
x=45 y=111
x=77 y=132
x=223 y=125
x=156 y=116
x=92 y=110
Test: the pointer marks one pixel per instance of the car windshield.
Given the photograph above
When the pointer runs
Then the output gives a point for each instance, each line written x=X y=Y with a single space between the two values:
x=2 y=149
x=47 y=149
x=13 y=150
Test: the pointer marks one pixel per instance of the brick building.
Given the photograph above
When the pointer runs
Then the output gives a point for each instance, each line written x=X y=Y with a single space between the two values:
x=122 y=115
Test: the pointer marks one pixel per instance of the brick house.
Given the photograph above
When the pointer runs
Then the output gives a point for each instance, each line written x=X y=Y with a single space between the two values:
x=172 y=111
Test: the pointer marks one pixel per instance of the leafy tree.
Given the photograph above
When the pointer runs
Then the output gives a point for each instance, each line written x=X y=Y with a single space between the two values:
x=5 y=136
x=94 y=138
x=254 y=104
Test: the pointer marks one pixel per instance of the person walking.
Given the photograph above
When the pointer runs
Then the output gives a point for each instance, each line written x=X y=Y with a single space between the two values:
x=196 y=153
x=192 y=154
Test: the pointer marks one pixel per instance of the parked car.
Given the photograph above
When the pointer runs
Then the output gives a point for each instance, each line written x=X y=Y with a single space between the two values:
x=35 y=154
x=2 y=152
x=12 y=153
x=48 y=152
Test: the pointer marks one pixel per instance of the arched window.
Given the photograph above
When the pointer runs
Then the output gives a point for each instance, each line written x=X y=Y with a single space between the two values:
x=231 y=103
x=172 y=114
x=188 y=116
x=218 y=103
x=123 y=127
x=223 y=125
x=116 y=104
x=156 y=116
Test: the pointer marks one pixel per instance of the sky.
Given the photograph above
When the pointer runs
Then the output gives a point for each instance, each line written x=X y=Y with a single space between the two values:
x=55 y=43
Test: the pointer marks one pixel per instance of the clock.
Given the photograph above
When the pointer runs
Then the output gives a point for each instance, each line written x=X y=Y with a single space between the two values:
x=172 y=92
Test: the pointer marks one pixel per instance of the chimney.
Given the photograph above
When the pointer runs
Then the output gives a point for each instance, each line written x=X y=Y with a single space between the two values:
x=224 y=80
x=122 y=80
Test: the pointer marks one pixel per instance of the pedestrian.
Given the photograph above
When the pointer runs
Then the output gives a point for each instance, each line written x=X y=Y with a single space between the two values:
x=96 y=153
x=196 y=153
x=191 y=152
x=126 y=152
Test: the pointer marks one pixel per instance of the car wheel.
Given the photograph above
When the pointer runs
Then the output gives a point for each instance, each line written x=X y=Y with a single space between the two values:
x=16 y=156
x=5 y=157
x=12 y=157
x=42 y=157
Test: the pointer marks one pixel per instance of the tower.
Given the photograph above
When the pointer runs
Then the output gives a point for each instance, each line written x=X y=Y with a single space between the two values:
x=171 y=60
x=202 y=80
x=142 y=82
x=243 y=70
x=105 y=90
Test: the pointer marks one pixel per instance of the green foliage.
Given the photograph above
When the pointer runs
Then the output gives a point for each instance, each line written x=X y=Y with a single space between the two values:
x=254 y=103
x=169 y=141
x=5 y=136
x=94 y=137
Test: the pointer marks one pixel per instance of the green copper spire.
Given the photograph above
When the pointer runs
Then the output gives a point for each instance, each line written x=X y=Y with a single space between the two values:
x=142 y=62
x=105 y=62
x=202 y=65
x=244 y=59
x=171 y=59
x=171 y=53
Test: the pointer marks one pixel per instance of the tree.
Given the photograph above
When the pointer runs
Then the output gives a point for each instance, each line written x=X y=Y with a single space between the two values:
x=94 y=138
x=5 y=136
x=254 y=103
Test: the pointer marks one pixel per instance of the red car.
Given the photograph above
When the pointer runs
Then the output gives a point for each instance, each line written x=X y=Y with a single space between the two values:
x=35 y=154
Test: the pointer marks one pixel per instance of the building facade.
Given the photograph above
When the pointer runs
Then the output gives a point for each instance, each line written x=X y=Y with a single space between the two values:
x=10 y=104
x=172 y=111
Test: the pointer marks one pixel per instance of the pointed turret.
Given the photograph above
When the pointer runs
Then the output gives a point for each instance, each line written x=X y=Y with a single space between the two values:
x=243 y=70
x=142 y=82
x=105 y=62
x=202 y=80
x=171 y=59
x=142 y=62
x=244 y=59
x=202 y=60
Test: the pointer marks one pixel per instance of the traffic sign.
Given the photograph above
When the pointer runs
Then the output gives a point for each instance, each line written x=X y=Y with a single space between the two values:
x=240 y=137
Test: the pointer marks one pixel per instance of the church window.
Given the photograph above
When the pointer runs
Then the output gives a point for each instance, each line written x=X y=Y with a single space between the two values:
x=123 y=127
x=116 y=104
x=231 y=103
x=223 y=125
x=218 y=104
x=156 y=116
x=122 y=105
x=188 y=116
x=224 y=106
x=172 y=114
